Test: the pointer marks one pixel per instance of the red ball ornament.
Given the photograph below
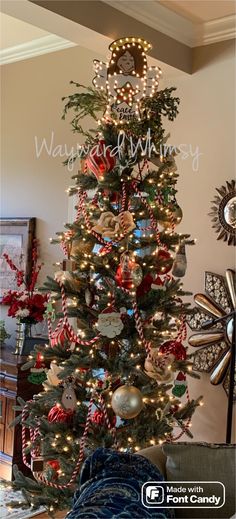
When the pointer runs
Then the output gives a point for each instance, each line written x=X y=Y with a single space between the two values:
x=174 y=347
x=54 y=464
x=59 y=415
x=98 y=418
x=100 y=160
x=166 y=259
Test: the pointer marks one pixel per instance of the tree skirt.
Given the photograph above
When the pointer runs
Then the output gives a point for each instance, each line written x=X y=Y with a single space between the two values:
x=7 y=494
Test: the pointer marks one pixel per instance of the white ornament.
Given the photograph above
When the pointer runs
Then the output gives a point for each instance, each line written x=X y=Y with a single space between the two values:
x=110 y=324
x=158 y=367
x=52 y=375
x=69 y=399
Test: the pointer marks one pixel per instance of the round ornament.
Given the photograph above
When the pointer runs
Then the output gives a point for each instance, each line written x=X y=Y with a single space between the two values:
x=59 y=415
x=165 y=257
x=98 y=418
x=129 y=273
x=127 y=402
x=52 y=469
x=100 y=160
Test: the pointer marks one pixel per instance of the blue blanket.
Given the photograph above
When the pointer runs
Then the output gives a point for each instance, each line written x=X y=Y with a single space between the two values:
x=110 y=487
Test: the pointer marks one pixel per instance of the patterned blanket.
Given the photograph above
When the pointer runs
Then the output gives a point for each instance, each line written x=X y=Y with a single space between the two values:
x=110 y=487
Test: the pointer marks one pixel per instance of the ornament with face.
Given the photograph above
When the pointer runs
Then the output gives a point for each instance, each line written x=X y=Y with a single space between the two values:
x=109 y=324
x=69 y=399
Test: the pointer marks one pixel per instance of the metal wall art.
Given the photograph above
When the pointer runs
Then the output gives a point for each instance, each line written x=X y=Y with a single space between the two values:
x=219 y=304
x=223 y=213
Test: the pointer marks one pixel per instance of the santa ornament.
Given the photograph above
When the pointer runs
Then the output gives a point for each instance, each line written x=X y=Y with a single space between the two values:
x=180 y=385
x=177 y=349
x=37 y=373
x=109 y=323
x=158 y=284
x=126 y=79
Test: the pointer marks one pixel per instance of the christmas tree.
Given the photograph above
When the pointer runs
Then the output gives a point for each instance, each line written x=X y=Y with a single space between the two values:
x=118 y=378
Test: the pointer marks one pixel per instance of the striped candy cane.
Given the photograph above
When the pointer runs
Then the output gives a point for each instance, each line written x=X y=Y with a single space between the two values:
x=139 y=327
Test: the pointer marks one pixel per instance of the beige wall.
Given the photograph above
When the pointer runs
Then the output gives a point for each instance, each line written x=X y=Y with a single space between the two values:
x=31 y=105
x=206 y=120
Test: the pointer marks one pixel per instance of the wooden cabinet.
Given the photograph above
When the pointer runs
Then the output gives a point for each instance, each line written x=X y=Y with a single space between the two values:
x=13 y=383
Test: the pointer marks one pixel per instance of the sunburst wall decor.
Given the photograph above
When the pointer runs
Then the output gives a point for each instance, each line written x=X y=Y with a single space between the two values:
x=215 y=345
x=223 y=213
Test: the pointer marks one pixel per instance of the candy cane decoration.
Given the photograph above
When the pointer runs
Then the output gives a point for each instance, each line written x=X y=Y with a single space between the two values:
x=64 y=330
x=108 y=423
x=123 y=203
x=171 y=438
x=139 y=327
x=76 y=470
x=35 y=433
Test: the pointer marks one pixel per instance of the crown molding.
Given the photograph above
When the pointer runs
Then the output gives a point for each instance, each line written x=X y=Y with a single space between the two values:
x=176 y=26
x=215 y=31
x=158 y=17
x=37 y=47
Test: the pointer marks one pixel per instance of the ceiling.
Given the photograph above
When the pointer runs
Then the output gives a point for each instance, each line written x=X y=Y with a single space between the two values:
x=28 y=30
x=16 y=32
x=201 y=10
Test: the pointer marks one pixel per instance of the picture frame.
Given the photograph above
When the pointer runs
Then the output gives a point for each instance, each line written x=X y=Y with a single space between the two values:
x=28 y=344
x=16 y=240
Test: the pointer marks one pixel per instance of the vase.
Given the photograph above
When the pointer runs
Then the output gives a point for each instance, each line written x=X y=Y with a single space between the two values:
x=25 y=340
x=23 y=330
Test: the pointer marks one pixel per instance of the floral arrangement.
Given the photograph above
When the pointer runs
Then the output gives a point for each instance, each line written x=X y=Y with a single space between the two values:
x=26 y=304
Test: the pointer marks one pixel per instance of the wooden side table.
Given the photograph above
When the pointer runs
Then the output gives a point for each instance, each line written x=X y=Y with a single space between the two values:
x=13 y=383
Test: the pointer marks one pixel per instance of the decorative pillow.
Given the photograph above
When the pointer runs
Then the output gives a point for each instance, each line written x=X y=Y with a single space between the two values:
x=156 y=456
x=203 y=462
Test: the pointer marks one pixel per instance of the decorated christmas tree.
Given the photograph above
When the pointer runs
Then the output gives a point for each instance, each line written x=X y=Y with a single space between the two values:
x=116 y=314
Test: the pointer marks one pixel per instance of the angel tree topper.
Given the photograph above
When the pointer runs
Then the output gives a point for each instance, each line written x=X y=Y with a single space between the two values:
x=126 y=79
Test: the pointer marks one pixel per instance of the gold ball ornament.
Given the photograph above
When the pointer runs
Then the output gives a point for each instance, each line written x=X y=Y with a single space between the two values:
x=127 y=402
x=177 y=215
